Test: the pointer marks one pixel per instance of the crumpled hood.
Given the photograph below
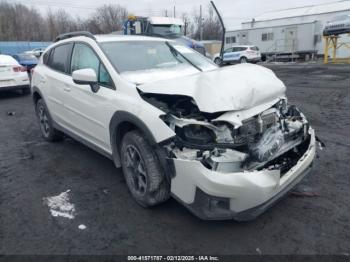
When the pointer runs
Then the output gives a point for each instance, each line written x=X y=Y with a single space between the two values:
x=229 y=88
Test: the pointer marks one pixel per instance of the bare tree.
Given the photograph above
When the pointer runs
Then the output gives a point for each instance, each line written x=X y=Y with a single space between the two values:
x=107 y=19
x=20 y=23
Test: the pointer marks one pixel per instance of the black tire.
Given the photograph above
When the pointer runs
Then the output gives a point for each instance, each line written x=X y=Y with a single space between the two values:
x=243 y=60
x=48 y=132
x=26 y=91
x=142 y=170
x=218 y=61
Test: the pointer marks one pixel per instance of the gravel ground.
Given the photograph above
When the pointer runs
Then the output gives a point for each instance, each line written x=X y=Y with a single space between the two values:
x=31 y=169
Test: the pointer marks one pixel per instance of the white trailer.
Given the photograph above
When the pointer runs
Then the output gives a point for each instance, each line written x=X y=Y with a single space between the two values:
x=288 y=41
x=291 y=31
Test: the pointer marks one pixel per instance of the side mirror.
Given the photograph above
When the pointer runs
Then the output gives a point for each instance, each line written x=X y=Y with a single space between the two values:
x=86 y=77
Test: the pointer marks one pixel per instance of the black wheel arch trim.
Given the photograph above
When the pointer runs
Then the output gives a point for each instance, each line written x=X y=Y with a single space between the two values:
x=36 y=90
x=117 y=120
x=121 y=117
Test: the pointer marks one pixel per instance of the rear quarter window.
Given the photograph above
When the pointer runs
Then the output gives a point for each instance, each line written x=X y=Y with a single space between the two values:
x=254 y=48
x=46 y=57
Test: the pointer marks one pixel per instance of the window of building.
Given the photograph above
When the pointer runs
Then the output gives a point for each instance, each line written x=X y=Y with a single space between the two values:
x=267 y=37
x=230 y=39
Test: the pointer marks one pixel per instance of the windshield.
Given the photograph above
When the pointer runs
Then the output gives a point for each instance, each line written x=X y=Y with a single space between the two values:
x=129 y=56
x=166 y=29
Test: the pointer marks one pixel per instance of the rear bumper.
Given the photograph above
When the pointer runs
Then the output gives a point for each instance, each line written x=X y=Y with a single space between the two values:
x=239 y=196
x=17 y=87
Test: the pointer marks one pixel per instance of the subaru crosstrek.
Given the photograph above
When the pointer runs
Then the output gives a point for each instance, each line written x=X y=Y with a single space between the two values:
x=222 y=141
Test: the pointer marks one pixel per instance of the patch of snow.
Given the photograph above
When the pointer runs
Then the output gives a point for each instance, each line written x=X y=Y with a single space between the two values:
x=82 y=227
x=60 y=206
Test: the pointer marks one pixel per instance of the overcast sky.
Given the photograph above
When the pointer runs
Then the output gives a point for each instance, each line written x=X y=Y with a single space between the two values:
x=233 y=11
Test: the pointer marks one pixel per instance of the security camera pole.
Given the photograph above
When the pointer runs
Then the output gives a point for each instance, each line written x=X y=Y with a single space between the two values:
x=223 y=29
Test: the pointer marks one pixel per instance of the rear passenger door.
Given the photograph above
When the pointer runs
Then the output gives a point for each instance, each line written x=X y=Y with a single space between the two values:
x=57 y=80
x=86 y=110
x=236 y=53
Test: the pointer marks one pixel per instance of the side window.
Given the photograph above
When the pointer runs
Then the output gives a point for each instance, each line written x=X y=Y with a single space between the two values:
x=84 y=57
x=228 y=50
x=59 y=58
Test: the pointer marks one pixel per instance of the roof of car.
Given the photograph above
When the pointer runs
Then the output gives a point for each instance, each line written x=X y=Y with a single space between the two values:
x=115 y=38
x=111 y=37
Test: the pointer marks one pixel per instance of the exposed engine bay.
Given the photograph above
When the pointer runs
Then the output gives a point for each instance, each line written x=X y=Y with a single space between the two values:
x=273 y=139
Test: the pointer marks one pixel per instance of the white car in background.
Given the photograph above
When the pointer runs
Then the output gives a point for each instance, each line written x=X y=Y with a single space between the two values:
x=13 y=76
x=238 y=54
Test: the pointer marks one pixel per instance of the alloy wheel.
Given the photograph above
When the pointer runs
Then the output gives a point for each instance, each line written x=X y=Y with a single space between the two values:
x=136 y=167
x=44 y=121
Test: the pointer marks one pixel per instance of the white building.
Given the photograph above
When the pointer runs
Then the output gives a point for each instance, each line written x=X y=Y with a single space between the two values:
x=296 y=30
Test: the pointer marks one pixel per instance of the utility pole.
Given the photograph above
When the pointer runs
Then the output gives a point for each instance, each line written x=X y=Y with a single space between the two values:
x=166 y=12
x=200 y=23
x=174 y=11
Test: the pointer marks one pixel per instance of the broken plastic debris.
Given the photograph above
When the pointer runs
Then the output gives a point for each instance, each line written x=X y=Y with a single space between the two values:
x=321 y=144
x=60 y=206
x=82 y=227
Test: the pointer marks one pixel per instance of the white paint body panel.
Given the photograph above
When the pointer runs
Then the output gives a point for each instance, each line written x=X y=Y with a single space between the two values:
x=231 y=88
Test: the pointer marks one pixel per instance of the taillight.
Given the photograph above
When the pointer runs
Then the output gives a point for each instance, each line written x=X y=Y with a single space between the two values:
x=18 y=69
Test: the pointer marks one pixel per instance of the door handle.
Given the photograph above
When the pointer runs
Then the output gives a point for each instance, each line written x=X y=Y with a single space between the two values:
x=66 y=88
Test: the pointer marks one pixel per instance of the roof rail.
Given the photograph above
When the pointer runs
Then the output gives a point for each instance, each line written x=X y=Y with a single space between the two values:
x=73 y=34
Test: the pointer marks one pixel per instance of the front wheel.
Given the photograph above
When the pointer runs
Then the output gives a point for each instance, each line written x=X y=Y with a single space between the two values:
x=218 y=61
x=142 y=170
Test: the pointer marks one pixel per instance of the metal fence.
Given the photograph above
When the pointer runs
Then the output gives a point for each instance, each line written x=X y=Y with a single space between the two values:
x=12 y=48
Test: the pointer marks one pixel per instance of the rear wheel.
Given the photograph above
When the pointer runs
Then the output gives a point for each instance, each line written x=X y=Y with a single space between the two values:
x=45 y=122
x=243 y=60
x=143 y=173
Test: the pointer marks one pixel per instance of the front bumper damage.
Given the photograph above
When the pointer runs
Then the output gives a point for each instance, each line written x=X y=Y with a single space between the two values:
x=235 y=165
x=240 y=196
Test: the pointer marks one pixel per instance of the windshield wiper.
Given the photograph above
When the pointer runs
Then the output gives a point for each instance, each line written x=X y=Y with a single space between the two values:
x=175 y=52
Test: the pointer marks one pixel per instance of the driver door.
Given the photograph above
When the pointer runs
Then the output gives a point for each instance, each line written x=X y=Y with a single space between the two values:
x=227 y=56
x=86 y=110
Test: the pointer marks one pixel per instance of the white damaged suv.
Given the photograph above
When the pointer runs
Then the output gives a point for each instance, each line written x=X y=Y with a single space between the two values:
x=222 y=141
